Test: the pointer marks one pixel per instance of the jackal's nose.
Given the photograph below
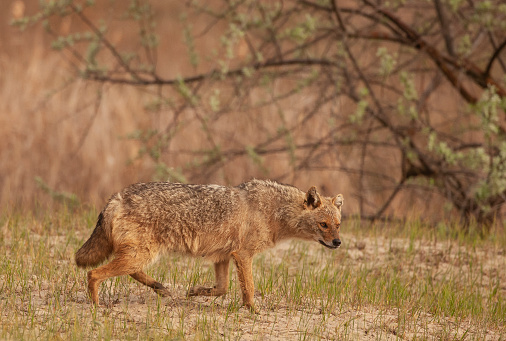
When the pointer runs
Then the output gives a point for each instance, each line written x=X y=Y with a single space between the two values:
x=336 y=242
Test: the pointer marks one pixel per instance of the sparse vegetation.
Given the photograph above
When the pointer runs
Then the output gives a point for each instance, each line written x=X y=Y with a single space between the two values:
x=406 y=281
x=404 y=102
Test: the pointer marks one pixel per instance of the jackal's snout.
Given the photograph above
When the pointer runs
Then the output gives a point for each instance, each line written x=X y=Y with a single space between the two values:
x=335 y=243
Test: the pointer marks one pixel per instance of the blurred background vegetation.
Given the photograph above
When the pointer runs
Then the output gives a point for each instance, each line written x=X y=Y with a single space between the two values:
x=399 y=105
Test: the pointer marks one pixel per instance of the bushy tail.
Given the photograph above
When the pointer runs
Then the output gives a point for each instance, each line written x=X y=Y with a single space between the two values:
x=97 y=248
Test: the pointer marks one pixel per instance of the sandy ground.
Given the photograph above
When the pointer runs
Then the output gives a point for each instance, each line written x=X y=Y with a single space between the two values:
x=221 y=318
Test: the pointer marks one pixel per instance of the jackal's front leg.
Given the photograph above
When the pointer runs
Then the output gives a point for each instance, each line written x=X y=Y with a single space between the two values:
x=221 y=273
x=244 y=264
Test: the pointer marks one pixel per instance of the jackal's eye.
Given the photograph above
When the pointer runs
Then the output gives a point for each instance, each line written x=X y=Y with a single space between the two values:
x=324 y=225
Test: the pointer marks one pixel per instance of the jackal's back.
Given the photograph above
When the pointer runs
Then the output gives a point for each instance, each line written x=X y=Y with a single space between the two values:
x=174 y=205
x=201 y=220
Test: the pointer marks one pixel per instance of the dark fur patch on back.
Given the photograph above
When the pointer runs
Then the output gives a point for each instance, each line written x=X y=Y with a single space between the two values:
x=100 y=219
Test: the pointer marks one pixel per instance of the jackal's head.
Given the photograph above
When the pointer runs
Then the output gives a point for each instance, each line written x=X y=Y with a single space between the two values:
x=322 y=218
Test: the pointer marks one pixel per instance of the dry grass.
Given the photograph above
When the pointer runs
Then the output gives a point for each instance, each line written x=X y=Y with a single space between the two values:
x=62 y=134
x=74 y=135
x=71 y=133
x=401 y=282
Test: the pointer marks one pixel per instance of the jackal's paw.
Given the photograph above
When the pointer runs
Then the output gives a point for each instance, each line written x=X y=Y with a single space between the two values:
x=252 y=309
x=163 y=292
x=199 y=290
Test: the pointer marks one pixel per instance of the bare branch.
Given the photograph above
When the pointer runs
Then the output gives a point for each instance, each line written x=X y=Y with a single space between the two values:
x=387 y=202
x=445 y=27
x=495 y=55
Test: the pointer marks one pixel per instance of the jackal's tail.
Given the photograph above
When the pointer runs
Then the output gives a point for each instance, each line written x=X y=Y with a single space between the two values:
x=97 y=248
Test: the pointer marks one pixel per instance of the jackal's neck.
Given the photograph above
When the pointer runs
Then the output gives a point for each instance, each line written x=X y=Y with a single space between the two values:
x=281 y=206
x=287 y=215
x=288 y=222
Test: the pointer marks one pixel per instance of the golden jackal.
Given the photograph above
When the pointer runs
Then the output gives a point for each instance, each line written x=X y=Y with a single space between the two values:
x=145 y=220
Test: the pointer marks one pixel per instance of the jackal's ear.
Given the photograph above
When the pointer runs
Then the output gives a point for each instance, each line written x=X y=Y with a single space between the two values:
x=313 y=199
x=338 y=201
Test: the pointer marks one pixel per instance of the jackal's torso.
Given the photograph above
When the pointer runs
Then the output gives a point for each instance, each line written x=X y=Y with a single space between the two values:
x=207 y=220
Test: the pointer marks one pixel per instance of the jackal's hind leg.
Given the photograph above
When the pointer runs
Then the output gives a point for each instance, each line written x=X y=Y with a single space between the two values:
x=149 y=281
x=221 y=272
x=121 y=265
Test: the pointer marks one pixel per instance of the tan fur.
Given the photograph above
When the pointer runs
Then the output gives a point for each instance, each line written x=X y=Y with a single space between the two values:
x=220 y=223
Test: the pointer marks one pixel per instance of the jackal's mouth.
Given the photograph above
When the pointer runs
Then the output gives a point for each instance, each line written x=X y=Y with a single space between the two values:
x=329 y=246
